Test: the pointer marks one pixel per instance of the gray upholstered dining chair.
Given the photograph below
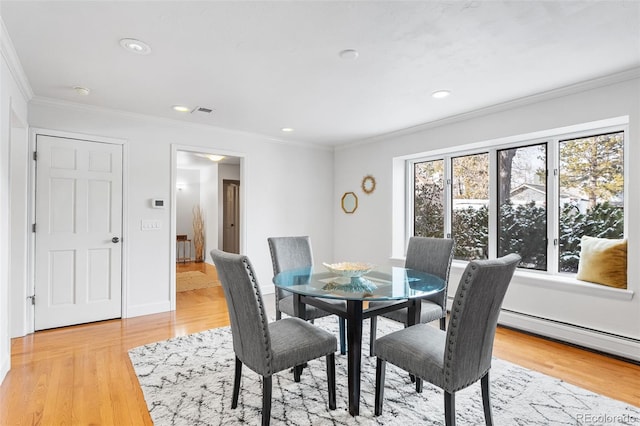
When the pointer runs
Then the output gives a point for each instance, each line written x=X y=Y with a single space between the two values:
x=460 y=356
x=431 y=255
x=293 y=253
x=264 y=347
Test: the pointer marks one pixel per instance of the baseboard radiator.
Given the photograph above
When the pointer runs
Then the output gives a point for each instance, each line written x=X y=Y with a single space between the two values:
x=600 y=341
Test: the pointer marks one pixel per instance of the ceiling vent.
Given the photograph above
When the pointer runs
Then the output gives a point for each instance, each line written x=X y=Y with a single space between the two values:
x=202 y=110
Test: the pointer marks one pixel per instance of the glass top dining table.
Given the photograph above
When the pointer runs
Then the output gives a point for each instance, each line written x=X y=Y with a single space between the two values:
x=404 y=287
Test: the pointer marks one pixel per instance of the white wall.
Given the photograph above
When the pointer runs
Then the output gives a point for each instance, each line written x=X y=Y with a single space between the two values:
x=367 y=234
x=19 y=224
x=209 y=202
x=276 y=204
x=187 y=196
x=13 y=117
x=198 y=187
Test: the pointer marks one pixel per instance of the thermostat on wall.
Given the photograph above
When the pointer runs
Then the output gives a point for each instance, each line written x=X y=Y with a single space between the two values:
x=157 y=203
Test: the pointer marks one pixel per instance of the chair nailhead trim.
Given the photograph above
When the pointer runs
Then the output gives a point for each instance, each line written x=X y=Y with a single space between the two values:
x=263 y=320
x=452 y=341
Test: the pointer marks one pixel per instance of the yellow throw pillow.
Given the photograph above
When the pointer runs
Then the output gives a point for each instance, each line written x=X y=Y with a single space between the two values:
x=603 y=261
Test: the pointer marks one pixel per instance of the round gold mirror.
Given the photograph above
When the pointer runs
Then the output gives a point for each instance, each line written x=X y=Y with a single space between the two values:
x=368 y=184
x=349 y=202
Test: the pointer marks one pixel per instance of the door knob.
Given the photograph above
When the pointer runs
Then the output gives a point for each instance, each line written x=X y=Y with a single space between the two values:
x=115 y=240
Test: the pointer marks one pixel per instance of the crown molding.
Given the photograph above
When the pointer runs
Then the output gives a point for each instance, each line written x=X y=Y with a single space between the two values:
x=13 y=62
x=571 y=89
x=59 y=103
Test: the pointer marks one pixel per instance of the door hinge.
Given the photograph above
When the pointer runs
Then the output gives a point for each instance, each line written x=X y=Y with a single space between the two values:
x=35 y=156
x=33 y=299
x=33 y=228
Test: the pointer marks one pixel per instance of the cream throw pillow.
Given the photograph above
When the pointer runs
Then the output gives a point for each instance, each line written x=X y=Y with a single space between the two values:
x=603 y=261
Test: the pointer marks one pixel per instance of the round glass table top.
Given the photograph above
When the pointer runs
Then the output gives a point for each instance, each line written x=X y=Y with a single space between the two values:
x=390 y=283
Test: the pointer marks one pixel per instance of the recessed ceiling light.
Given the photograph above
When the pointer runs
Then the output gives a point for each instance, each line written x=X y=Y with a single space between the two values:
x=181 y=108
x=287 y=129
x=349 y=54
x=440 y=94
x=135 y=46
x=83 y=91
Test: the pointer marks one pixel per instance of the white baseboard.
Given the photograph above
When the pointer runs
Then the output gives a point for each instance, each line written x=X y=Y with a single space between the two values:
x=593 y=339
x=268 y=289
x=147 y=309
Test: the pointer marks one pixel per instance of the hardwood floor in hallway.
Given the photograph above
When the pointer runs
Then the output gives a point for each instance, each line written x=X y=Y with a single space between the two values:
x=195 y=275
x=82 y=375
x=204 y=267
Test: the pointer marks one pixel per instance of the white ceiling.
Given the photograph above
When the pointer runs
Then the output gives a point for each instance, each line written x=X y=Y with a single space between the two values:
x=265 y=65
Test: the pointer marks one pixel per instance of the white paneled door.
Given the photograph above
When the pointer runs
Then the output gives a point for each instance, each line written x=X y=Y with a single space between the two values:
x=78 y=253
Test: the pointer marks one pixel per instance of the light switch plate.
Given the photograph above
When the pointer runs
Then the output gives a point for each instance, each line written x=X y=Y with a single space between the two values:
x=150 y=225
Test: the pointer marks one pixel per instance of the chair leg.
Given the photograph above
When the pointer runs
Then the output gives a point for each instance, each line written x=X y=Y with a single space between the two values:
x=266 y=401
x=372 y=335
x=413 y=378
x=331 y=380
x=343 y=336
x=278 y=315
x=449 y=408
x=236 y=383
x=443 y=323
x=380 y=370
x=486 y=399
x=297 y=372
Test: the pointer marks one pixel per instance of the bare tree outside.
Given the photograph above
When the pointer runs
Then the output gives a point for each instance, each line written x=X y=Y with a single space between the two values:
x=522 y=200
x=429 y=199
x=470 y=201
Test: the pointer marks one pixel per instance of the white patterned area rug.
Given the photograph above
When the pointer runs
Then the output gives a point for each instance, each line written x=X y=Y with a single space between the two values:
x=189 y=381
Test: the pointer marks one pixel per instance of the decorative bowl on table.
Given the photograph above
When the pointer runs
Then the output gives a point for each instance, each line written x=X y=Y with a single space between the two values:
x=353 y=272
x=349 y=269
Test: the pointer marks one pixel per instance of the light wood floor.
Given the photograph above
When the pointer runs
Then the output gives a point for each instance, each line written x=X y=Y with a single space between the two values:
x=204 y=267
x=82 y=375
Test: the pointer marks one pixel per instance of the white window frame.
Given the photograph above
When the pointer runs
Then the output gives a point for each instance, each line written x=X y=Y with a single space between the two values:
x=552 y=138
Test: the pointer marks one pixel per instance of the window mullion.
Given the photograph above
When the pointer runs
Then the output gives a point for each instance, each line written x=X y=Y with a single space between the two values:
x=493 y=205
x=410 y=202
x=627 y=169
x=553 y=201
x=448 y=232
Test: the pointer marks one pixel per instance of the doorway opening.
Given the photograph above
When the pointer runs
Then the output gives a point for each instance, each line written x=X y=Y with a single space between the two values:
x=202 y=218
x=231 y=216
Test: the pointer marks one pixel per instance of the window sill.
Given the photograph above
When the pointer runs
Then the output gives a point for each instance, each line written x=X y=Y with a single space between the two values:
x=563 y=283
